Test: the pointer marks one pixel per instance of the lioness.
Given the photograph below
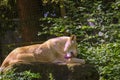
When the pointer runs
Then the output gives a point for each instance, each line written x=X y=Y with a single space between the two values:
x=53 y=50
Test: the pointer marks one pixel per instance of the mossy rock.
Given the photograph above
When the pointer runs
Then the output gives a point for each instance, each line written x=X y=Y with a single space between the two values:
x=60 y=72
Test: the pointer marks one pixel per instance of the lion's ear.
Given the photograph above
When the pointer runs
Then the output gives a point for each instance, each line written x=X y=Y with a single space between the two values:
x=73 y=37
x=69 y=42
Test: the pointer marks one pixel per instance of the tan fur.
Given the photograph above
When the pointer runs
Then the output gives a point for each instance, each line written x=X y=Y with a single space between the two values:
x=52 y=51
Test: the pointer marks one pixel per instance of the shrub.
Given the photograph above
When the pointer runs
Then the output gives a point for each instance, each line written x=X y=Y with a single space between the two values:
x=26 y=75
x=105 y=57
x=96 y=25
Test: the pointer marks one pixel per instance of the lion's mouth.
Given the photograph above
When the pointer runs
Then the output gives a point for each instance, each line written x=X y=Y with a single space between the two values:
x=69 y=55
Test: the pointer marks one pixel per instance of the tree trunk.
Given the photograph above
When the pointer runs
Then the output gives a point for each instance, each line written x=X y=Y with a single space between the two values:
x=29 y=14
x=62 y=9
x=1 y=55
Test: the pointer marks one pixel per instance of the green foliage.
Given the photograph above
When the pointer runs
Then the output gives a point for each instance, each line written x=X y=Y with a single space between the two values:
x=96 y=24
x=106 y=57
x=26 y=75
x=93 y=22
x=8 y=15
x=51 y=76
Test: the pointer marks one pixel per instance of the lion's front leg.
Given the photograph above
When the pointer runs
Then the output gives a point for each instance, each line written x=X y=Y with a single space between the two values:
x=76 y=61
x=60 y=61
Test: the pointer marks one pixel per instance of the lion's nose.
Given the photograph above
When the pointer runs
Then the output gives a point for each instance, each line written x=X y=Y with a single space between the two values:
x=72 y=54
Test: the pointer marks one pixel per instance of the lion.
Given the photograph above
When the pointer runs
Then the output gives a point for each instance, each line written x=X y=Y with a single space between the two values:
x=56 y=50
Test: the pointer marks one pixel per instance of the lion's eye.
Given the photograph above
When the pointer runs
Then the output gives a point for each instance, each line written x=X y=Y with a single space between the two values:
x=71 y=53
